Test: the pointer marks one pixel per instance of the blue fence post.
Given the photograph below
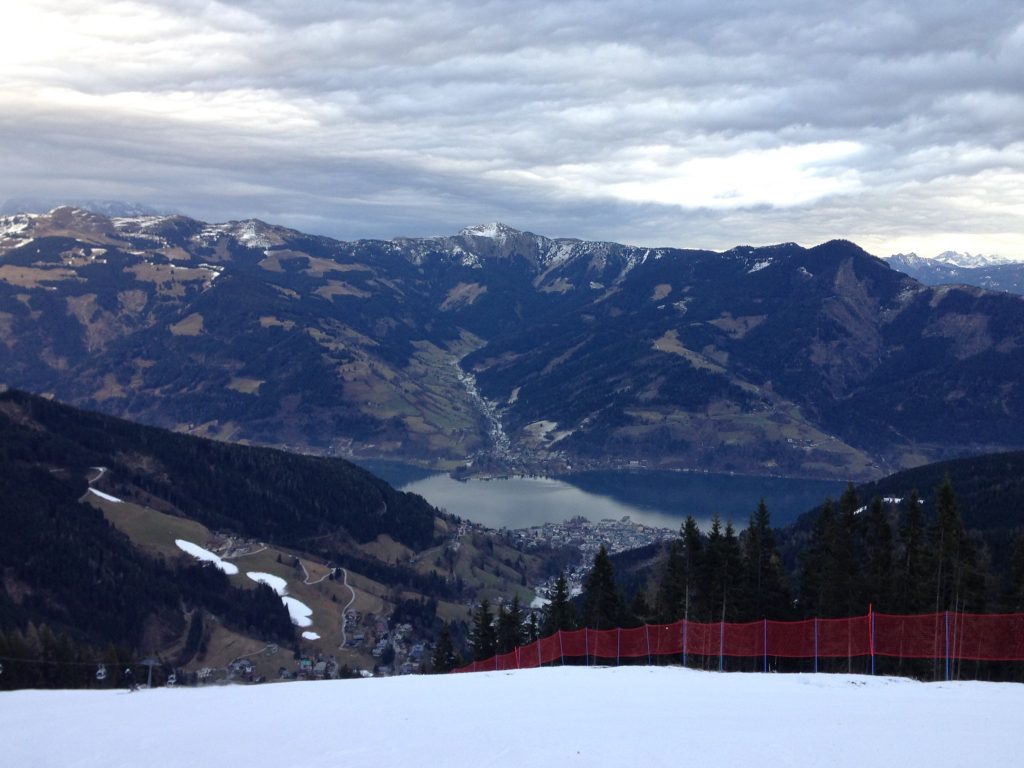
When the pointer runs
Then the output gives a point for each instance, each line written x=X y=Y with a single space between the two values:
x=618 y=645
x=586 y=643
x=815 y=644
x=947 y=646
x=647 y=633
x=685 y=628
x=765 y=620
x=721 y=643
x=871 y=611
x=561 y=649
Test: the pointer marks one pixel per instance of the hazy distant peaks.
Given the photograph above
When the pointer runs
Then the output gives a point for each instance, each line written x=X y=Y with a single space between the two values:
x=954 y=259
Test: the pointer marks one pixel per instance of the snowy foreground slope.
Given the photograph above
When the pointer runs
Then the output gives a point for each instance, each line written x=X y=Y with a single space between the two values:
x=548 y=717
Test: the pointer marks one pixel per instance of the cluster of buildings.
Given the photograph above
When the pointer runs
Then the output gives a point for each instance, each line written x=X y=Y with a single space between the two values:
x=580 y=534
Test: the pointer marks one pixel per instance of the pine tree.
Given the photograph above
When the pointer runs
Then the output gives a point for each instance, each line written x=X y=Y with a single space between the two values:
x=510 y=626
x=445 y=659
x=602 y=604
x=559 y=613
x=878 y=568
x=954 y=561
x=722 y=567
x=765 y=581
x=912 y=562
x=814 y=563
x=843 y=576
x=483 y=639
x=677 y=589
x=1014 y=590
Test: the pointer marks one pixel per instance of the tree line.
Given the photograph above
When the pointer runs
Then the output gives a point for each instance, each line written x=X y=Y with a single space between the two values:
x=888 y=554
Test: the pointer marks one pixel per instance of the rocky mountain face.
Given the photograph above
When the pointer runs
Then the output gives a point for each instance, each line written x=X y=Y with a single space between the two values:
x=508 y=349
x=962 y=269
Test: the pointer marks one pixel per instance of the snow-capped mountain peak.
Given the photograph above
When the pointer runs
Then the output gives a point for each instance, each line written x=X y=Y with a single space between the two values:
x=495 y=231
x=950 y=259
x=969 y=260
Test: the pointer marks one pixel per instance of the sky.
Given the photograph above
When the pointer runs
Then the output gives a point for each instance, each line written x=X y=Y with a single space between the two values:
x=686 y=123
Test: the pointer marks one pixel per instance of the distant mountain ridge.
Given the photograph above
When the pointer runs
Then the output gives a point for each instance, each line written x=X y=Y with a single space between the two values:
x=510 y=350
x=951 y=268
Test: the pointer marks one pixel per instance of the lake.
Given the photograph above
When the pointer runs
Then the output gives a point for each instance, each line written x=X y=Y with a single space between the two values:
x=655 y=498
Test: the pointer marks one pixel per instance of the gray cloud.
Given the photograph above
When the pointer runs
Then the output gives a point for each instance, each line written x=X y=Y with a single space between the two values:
x=893 y=123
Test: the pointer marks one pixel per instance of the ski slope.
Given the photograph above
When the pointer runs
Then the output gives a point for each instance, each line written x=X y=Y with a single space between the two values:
x=563 y=716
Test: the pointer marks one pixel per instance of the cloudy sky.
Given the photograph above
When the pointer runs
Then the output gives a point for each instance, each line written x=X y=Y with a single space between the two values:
x=899 y=125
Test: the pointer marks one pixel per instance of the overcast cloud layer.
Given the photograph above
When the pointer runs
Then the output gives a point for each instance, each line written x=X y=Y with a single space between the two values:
x=705 y=124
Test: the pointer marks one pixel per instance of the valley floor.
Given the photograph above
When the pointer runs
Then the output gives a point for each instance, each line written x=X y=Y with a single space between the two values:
x=561 y=716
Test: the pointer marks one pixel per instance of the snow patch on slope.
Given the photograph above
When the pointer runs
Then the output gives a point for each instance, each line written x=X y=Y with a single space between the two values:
x=276 y=583
x=206 y=556
x=105 y=496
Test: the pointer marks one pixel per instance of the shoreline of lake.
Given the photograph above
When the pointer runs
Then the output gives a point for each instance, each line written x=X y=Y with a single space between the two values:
x=658 y=498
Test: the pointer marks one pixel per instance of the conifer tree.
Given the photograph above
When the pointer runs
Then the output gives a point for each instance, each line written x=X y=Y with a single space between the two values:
x=483 y=639
x=559 y=613
x=878 y=568
x=1015 y=577
x=532 y=628
x=764 y=578
x=722 y=566
x=912 y=563
x=843 y=573
x=957 y=581
x=677 y=590
x=445 y=659
x=815 y=565
x=510 y=626
x=601 y=604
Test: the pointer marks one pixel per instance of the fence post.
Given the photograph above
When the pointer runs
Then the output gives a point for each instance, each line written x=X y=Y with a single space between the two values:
x=815 y=644
x=586 y=643
x=947 y=646
x=721 y=643
x=561 y=650
x=647 y=634
x=765 y=620
x=871 y=639
x=618 y=645
x=686 y=626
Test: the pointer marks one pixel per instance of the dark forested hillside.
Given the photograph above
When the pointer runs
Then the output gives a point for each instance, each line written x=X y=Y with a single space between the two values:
x=274 y=495
x=102 y=519
x=66 y=568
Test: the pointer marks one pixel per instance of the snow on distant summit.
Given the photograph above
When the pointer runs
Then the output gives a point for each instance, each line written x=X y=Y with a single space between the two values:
x=495 y=231
x=969 y=260
x=108 y=208
x=963 y=260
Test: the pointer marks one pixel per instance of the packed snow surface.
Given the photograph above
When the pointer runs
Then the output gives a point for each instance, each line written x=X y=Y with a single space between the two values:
x=206 y=555
x=560 y=716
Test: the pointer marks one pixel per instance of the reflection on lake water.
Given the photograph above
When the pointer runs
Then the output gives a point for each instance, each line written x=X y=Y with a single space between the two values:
x=655 y=498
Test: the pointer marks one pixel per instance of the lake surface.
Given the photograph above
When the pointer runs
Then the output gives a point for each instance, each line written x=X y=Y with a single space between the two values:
x=655 y=498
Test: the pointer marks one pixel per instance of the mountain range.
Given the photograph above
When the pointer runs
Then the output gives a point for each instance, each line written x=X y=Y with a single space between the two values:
x=952 y=268
x=506 y=350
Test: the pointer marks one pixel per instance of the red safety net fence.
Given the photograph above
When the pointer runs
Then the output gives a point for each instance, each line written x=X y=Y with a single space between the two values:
x=948 y=636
